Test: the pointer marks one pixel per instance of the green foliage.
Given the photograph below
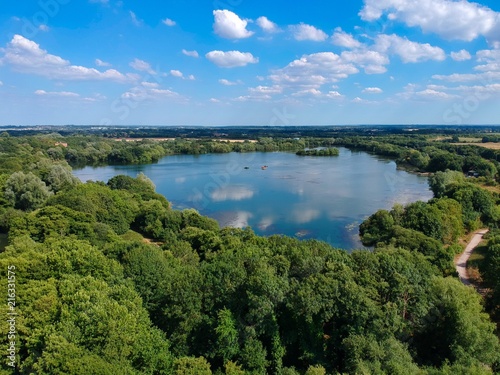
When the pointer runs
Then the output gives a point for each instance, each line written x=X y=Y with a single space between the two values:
x=456 y=328
x=60 y=178
x=91 y=291
x=113 y=207
x=191 y=366
x=330 y=151
x=227 y=335
x=377 y=228
x=26 y=191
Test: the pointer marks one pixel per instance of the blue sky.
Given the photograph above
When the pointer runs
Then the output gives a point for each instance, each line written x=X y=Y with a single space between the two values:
x=242 y=62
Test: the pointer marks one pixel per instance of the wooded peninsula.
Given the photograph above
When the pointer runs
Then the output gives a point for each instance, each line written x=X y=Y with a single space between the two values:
x=107 y=278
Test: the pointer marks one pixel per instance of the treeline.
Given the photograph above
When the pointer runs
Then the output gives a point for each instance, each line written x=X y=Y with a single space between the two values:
x=111 y=280
x=330 y=151
x=422 y=155
x=85 y=150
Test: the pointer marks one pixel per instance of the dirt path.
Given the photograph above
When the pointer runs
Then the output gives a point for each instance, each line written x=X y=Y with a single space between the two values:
x=461 y=262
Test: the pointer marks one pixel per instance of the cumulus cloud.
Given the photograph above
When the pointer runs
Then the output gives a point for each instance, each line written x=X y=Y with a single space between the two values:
x=268 y=26
x=433 y=94
x=231 y=59
x=142 y=66
x=66 y=94
x=342 y=39
x=461 y=55
x=468 y=77
x=307 y=32
x=314 y=70
x=26 y=56
x=372 y=62
x=266 y=90
x=373 y=90
x=407 y=50
x=169 y=22
x=142 y=92
x=177 y=73
x=99 y=62
x=308 y=92
x=227 y=82
x=190 y=53
x=452 y=20
x=334 y=95
x=150 y=84
x=228 y=25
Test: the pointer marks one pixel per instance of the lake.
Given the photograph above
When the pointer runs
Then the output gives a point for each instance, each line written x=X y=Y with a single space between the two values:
x=307 y=197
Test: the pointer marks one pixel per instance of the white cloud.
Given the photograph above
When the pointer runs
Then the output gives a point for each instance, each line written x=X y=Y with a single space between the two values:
x=257 y=98
x=136 y=21
x=461 y=55
x=177 y=73
x=266 y=90
x=268 y=26
x=308 y=32
x=226 y=82
x=44 y=28
x=491 y=58
x=461 y=20
x=150 y=84
x=308 y=92
x=372 y=62
x=312 y=71
x=26 y=56
x=433 y=94
x=231 y=59
x=66 y=94
x=468 y=77
x=191 y=77
x=213 y=100
x=140 y=93
x=334 y=95
x=1 y=83
x=228 y=25
x=142 y=66
x=99 y=62
x=190 y=53
x=168 y=22
x=373 y=90
x=408 y=51
x=343 y=39
x=493 y=88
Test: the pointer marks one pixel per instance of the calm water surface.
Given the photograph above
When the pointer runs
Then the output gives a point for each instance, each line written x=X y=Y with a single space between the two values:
x=308 y=197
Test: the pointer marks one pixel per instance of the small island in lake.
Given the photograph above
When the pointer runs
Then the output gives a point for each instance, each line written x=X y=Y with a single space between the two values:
x=330 y=151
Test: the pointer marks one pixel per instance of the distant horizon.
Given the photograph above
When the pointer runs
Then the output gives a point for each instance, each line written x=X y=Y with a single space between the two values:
x=251 y=126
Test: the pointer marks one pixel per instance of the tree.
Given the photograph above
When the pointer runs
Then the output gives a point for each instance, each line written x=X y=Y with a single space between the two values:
x=456 y=329
x=60 y=178
x=376 y=228
x=440 y=181
x=192 y=366
x=26 y=191
x=227 y=335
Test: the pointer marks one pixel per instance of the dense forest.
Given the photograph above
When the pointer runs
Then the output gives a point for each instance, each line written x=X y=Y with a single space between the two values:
x=109 y=279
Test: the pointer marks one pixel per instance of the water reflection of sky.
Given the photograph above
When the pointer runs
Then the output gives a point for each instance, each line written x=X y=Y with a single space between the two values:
x=308 y=197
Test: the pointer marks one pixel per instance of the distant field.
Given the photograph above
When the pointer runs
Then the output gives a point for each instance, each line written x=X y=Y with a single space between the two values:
x=490 y=145
x=190 y=139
